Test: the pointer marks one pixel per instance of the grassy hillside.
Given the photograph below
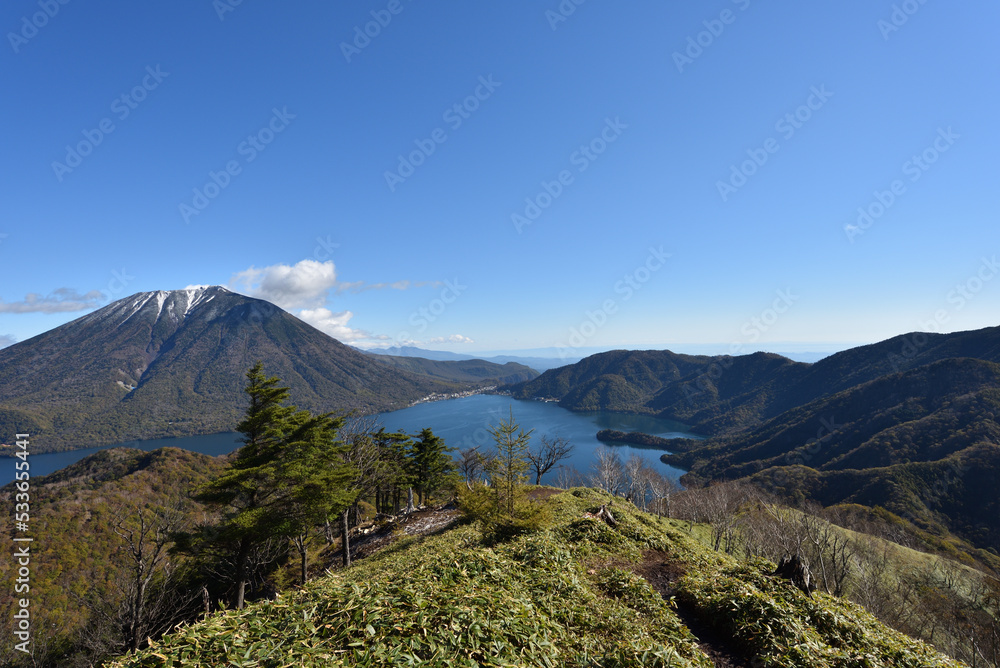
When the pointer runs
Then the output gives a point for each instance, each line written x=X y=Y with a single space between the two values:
x=577 y=593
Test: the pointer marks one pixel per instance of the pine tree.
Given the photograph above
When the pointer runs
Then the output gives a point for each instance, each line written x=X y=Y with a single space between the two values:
x=504 y=507
x=318 y=479
x=288 y=476
x=249 y=488
x=393 y=449
x=508 y=470
x=429 y=463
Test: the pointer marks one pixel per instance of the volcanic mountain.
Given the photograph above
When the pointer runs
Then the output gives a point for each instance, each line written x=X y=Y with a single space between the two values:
x=159 y=364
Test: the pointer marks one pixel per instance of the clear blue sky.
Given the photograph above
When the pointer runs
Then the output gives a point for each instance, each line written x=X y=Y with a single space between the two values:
x=650 y=240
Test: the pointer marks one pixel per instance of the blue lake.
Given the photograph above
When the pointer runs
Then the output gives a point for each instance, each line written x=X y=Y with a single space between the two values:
x=465 y=422
x=460 y=422
x=211 y=444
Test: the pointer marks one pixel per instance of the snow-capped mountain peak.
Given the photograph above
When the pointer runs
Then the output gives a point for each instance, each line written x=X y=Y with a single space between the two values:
x=154 y=306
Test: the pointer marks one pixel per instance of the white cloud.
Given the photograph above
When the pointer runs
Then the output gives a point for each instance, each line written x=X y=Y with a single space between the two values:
x=63 y=300
x=454 y=338
x=304 y=285
x=305 y=289
x=334 y=324
x=7 y=340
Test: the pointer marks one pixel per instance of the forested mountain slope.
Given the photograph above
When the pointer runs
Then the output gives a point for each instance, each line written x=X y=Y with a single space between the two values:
x=924 y=443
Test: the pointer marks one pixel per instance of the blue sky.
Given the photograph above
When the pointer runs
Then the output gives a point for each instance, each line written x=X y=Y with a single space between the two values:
x=497 y=176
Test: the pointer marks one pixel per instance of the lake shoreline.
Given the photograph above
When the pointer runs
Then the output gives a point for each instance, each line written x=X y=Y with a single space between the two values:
x=462 y=422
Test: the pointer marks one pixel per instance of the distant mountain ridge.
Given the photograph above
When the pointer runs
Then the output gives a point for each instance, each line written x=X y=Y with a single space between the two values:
x=537 y=363
x=723 y=394
x=474 y=371
x=160 y=364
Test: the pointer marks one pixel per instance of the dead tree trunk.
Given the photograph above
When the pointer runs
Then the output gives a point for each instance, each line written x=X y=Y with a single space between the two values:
x=242 y=561
x=301 y=544
x=346 y=537
x=409 y=501
x=794 y=568
x=605 y=514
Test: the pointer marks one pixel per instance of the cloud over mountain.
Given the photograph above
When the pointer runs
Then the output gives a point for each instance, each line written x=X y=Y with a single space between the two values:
x=306 y=284
x=334 y=324
x=306 y=288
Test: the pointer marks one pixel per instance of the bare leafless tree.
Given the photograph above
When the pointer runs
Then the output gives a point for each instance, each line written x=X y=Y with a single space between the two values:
x=145 y=598
x=548 y=454
x=718 y=505
x=471 y=465
x=364 y=454
x=568 y=476
x=872 y=564
x=635 y=480
x=146 y=540
x=608 y=471
x=661 y=489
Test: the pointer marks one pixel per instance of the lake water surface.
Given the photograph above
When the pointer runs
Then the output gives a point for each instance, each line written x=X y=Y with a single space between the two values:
x=460 y=422
x=210 y=444
x=465 y=422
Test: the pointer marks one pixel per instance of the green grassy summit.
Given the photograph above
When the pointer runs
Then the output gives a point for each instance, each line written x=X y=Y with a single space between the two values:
x=577 y=592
